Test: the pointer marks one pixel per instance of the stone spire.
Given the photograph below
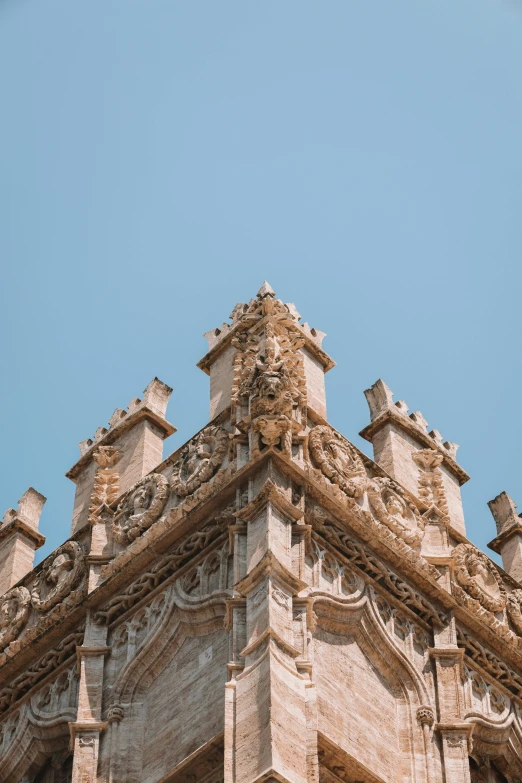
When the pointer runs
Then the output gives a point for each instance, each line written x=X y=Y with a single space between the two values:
x=266 y=343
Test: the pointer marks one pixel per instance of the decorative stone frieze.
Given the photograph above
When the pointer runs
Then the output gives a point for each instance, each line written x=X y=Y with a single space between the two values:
x=200 y=460
x=62 y=572
x=340 y=462
x=14 y=612
x=140 y=507
x=476 y=574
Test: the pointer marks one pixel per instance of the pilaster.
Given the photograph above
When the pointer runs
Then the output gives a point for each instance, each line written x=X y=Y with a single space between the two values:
x=270 y=730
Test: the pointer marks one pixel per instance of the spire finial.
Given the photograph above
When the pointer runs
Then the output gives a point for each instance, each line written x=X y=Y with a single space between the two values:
x=265 y=290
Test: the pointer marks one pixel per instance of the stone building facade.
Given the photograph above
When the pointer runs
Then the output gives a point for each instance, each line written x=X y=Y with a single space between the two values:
x=267 y=603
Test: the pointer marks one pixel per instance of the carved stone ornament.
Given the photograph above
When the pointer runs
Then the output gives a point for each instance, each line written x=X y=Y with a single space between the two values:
x=341 y=463
x=338 y=460
x=514 y=610
x=140 y=507
x=478 y=577
x=200 y=460
x=14 y=612
x=65 y=569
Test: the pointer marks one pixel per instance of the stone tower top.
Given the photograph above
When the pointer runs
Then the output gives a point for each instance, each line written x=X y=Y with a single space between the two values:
x=264 y=331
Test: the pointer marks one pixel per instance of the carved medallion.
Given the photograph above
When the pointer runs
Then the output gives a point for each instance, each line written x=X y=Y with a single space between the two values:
x=514 y=610
x=393 y=510
x=65 y=569
x=140 y=507
x=14 y=612
x=476 y=574
x=338 y=460
x=199 y=461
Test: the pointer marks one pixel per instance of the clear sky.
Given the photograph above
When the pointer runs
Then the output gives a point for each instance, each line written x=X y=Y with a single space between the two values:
x=160 y=159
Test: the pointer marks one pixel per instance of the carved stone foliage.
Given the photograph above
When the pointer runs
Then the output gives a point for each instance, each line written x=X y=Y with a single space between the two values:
x=339 y=461
x=142 y=505
x=43 y=667
x=14 y=612
x=514 y=610
x=486 y=660
x=196 y=542
x=431 y=486
x=359 y=556
x=200 y=460
x=106 y=481
x=61 y=573
x=476 y=574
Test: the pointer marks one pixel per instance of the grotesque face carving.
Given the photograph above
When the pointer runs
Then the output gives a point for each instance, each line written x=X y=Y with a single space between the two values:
x=394 y=506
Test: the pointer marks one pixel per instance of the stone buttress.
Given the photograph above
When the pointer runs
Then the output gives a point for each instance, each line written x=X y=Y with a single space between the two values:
x=266 y=603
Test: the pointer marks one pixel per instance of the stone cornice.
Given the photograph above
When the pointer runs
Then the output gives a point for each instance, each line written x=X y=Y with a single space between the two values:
x=398 y=418
x=19 y=525
x=499 y=541
x=126 y=423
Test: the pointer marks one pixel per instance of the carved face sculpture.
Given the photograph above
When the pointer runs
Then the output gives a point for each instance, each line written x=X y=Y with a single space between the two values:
x=59 y=567
x=394 y=506
x=8 y=611
x=142 y=500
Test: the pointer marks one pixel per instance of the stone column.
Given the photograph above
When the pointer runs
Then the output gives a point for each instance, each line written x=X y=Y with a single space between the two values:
x=269 y=707
x=86 y=730
x=455 y=733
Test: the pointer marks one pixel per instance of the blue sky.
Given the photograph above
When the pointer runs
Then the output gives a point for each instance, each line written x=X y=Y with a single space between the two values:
x=160 y=159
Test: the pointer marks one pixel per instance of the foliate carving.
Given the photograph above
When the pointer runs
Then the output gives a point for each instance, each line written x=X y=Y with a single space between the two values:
x=426 y=715
x=340 y=461
x=431 y=485
x=140 y=507
x=166 y=566
x=106 y=481
x=44 y=666
x=14 y=612
x=514 y=610
x=200 y=459
x=65 y=568
x=479 y=578
x=372 y=566
x=490 y=663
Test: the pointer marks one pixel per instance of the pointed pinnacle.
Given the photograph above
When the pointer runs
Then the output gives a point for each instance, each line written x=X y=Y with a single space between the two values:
x=265 y=290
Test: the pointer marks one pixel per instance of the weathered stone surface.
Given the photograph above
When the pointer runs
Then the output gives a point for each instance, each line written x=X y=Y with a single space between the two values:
x=267 y=603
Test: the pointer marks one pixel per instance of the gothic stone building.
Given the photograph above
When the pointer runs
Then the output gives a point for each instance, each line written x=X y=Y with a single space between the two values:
x=266 y=603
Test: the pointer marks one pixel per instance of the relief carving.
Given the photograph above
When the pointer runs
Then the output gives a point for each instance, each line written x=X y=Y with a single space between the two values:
x=140 y=507
x=476 y=574
x=66 y=568
x=14 y=612
x=200 y=460
x=431 y=486
x=341 y=463
x=269 y=386
x=106 y=481
x=514 y=610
